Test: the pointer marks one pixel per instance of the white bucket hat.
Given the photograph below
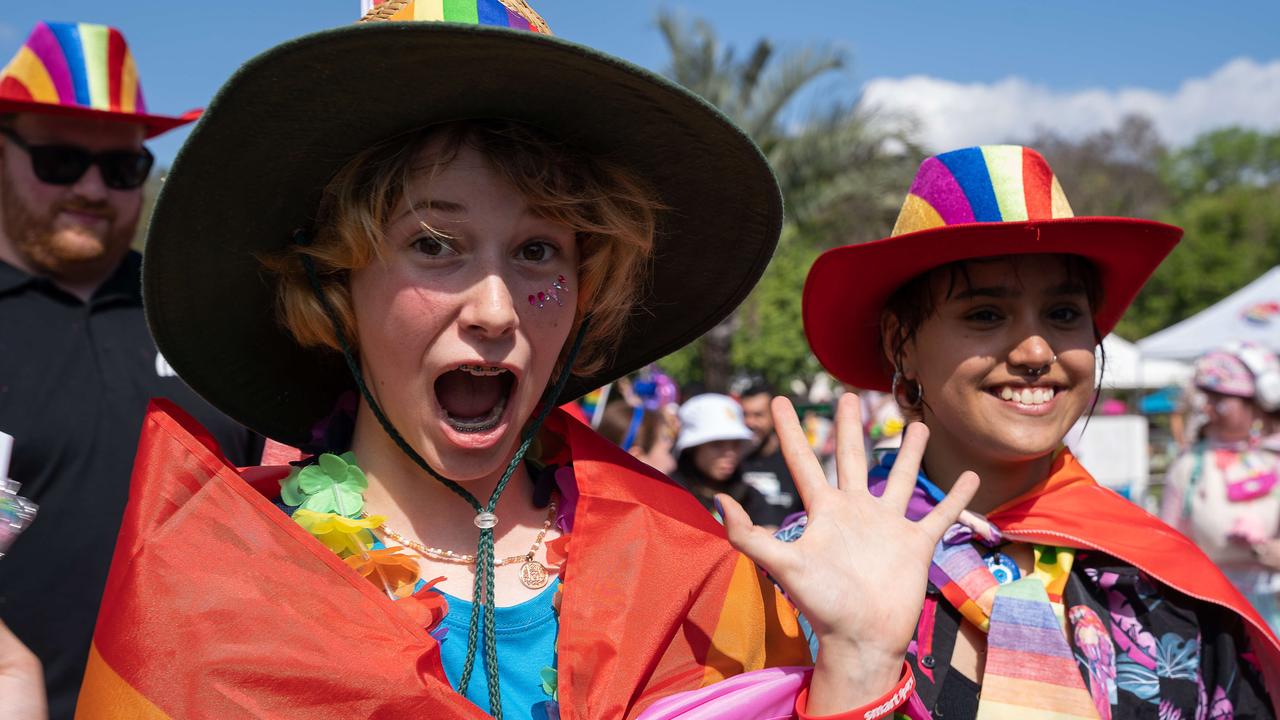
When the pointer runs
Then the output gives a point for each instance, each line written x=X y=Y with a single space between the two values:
x=708 y=418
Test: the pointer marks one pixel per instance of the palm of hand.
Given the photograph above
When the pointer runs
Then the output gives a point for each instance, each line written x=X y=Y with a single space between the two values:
x=859 y=572
x=860 y=568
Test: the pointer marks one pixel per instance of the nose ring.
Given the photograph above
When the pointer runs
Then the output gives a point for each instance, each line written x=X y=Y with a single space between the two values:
x=1037 y=372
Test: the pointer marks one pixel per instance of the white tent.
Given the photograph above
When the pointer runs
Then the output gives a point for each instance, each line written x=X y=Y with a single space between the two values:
x=1251 y=313
x=1128 y=369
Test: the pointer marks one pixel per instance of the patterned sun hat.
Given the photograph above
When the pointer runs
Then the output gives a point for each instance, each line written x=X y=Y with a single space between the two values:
x=1221 y=372
x=1242 y=369
x=986 y=201
x=79 y=69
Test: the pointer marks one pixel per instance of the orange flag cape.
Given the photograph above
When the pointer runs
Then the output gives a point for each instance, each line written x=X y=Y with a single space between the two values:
x=1070 y=509
x=218 y=605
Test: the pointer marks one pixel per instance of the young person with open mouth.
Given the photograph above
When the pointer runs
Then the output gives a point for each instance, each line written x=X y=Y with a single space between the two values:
x=1053 y=597
x=400 y=245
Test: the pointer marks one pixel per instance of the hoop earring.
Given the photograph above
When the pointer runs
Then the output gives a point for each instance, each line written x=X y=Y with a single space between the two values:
x=907 y=393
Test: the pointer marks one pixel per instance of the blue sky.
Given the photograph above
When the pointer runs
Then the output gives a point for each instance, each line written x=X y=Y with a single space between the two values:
x=1074 y=63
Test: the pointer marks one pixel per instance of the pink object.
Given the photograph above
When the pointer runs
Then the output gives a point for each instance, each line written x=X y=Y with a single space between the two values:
x=768 y=694
x=1252 y=487
x=1114 y=406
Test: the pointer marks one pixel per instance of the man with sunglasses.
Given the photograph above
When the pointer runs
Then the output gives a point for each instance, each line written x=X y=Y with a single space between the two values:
x=77 y=365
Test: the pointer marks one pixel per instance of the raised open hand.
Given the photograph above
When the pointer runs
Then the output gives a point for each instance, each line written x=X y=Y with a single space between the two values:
x=860 y=571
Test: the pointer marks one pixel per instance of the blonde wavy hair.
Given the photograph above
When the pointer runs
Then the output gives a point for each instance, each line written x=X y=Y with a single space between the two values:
x=612 y=212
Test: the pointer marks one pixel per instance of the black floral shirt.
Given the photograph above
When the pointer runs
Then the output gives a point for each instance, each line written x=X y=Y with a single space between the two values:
x=1151 y=651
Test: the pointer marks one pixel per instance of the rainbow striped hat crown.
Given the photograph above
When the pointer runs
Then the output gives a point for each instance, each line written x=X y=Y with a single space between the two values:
x=991 y=183
x=79 y=69
x=513 y=14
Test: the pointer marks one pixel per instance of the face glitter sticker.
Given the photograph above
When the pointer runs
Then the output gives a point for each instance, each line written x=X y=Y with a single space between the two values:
x=541 y=298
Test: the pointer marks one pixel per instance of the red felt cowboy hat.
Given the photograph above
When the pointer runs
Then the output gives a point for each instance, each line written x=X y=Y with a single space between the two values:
x=972 y=203
x=79 y=69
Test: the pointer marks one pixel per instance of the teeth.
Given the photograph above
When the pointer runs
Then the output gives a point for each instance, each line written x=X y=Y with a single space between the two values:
x=1027 y=396
x=481 y=370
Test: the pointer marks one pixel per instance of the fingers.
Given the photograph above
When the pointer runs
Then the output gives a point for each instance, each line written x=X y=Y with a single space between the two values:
x=948 y=511
x=902 y=478
x=805 y=469
x=748 y=539
x=851 y=454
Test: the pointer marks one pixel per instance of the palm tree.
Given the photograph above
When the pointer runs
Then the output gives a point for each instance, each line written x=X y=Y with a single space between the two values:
x=842 y=168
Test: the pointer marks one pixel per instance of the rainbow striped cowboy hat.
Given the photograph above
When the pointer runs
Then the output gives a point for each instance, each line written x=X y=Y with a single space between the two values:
x=253 y=169
x=971 y=203
x=79 y=69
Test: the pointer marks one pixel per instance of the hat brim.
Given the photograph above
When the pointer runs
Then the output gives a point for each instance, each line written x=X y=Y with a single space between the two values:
x=154 y=124
x=252 y=171
x=710 y=436
x=847 y=287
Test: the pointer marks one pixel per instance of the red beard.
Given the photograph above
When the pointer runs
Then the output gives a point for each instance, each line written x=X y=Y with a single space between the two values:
x=62 y=251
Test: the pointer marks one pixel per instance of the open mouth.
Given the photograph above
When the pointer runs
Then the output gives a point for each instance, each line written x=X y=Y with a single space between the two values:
x=474 y=397
x=1022 y=395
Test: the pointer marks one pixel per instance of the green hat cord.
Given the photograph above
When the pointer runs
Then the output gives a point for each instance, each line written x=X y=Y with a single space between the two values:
x=485 y=519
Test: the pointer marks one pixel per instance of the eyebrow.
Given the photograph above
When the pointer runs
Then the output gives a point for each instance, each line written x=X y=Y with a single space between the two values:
x=434 y=204
x=1001 y=292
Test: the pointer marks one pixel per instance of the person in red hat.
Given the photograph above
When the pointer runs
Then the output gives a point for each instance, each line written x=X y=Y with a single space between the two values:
x=77 y=365
x=1052 y=597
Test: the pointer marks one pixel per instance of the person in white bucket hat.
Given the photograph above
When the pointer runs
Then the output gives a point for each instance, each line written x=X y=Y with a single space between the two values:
x=713 y=439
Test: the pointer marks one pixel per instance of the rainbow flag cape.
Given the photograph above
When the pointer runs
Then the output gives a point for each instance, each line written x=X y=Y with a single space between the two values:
x=1069 y=509
x=218 y=605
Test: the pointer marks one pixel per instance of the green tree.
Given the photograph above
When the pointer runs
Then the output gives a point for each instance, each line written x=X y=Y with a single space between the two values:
x=1114 y=172
x=1225 y=194
x=1222 y=159
x=1231 y=237
x=842 y=170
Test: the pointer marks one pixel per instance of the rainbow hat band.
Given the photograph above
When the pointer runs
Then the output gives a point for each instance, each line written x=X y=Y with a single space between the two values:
x=79 y=69
x=986 y=201
x=470 y=12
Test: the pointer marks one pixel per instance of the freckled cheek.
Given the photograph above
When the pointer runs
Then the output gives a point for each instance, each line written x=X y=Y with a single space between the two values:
x=399 y=318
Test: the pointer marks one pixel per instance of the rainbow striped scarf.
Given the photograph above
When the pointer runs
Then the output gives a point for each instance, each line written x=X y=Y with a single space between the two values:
x=1030 y=671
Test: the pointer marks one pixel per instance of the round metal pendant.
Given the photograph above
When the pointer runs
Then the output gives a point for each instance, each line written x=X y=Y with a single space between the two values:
x=533 y=575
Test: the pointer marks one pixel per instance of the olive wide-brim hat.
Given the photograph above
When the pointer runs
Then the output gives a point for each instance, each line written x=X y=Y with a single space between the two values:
x=252 y=172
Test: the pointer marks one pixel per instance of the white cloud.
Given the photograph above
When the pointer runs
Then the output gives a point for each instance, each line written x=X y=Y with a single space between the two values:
x=951 y=115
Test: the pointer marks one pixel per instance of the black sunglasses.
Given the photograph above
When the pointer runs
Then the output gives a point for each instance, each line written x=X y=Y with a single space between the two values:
x=65 y=164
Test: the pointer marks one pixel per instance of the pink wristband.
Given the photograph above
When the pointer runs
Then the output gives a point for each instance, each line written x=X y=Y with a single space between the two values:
x=882 y=707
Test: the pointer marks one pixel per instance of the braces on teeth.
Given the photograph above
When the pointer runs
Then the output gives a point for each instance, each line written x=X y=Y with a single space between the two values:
x=481 y=370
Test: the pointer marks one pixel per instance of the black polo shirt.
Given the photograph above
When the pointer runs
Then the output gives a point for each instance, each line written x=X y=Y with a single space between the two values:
x=75 y=379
